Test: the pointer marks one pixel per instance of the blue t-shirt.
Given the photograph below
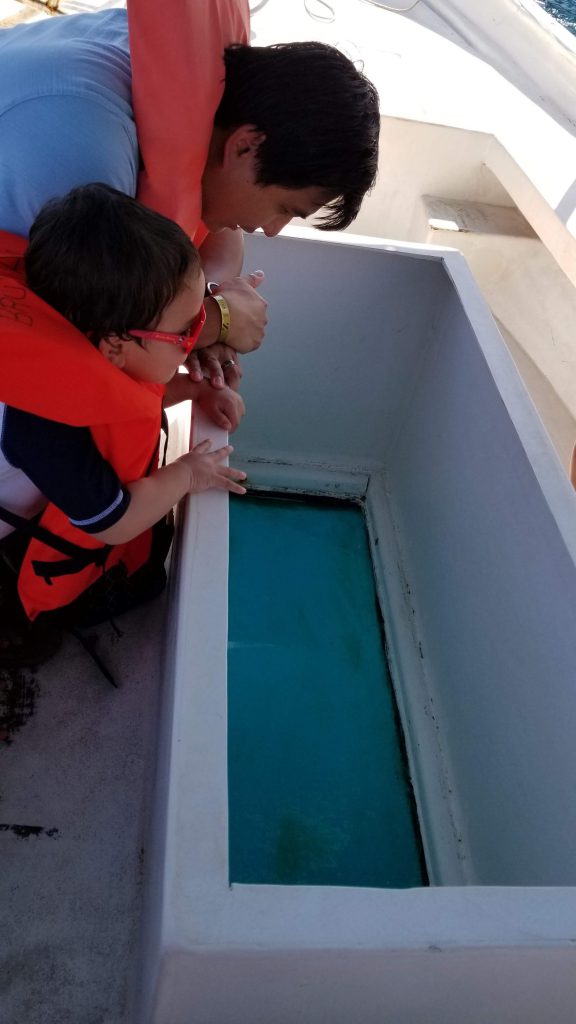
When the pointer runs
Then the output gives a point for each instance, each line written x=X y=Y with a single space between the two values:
x=65 y=120
x=65 y=112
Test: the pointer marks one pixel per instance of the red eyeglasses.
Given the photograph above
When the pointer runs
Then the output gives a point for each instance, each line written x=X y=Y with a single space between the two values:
x=187 y=340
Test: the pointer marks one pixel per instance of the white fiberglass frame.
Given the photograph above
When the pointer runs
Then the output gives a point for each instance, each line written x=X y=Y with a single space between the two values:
x=433 y=426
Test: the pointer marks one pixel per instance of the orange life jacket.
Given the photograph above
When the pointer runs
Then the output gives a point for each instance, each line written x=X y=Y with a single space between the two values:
x=177 y=84
x=50 y=369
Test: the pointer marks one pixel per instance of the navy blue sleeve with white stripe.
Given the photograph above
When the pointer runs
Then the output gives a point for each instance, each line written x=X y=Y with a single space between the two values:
x=67 y=467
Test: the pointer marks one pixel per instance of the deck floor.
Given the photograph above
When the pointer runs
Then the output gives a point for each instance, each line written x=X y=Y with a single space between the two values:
x=75 y=770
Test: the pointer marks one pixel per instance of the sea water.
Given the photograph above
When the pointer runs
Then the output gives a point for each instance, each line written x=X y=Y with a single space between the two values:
x=563 y=10
x=319 y=791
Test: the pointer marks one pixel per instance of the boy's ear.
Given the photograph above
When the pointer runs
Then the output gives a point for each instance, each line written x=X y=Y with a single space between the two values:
x=112 y=348
x=243 y=141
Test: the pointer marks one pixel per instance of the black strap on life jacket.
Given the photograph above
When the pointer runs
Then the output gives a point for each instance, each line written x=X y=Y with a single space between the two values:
x=69 y=566
x=77 y=557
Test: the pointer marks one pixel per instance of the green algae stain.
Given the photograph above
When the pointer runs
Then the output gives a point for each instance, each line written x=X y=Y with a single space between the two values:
x=298 y=847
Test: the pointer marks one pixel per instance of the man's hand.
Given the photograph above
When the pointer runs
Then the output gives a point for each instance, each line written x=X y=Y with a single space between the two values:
x=248 y=316
x=220 y=362
x=224 y=407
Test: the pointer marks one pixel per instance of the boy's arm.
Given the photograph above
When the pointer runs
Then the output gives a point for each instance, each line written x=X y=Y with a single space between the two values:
x=223 y=406
x=154 y=496
x=181 y=389
x=66 y=466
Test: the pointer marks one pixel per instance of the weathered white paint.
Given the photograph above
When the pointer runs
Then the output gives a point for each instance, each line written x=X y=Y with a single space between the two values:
x=417 y=159
x=526 y=268
x=530 y=297
x=517 y=38
x=501 y=68
x=536 y=168
x=395 y=372
x=497 y=130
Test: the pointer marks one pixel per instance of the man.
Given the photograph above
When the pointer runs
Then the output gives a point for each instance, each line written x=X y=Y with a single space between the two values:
x=289 y=119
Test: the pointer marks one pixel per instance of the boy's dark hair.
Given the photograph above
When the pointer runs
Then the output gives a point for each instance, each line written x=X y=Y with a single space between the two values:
x=320 y=117
x=107 y=263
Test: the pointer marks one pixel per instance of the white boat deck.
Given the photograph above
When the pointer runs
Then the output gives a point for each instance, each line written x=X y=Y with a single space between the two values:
x=78 y=756
x=77 y=763
x=76 y=777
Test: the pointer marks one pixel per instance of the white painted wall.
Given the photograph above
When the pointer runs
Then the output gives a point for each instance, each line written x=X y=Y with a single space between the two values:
x=366 y=322
x=527 y=278
x=493 y=585
x=500 y=68
x=457 y=127
x=535 y=304
x=396 y=987
x=417 y=158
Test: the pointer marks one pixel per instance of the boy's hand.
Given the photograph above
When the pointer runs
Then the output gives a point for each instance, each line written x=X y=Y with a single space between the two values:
x=205 y=470
x=224 y=407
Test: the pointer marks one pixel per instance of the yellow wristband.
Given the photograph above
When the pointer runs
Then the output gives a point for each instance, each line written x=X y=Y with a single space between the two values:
x=224 y=312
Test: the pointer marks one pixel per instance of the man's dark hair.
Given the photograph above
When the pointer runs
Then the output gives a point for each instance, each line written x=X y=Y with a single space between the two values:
x=106 y=262
x=320 y=117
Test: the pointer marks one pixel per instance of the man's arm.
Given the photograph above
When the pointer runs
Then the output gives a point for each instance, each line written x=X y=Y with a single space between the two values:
x=222 y=254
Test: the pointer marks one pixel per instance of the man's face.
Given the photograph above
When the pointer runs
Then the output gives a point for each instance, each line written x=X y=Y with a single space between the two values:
x=232 y=198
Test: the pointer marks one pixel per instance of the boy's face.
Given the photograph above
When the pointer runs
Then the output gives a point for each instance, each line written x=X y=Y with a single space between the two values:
x=158 y=361
x=232 y=197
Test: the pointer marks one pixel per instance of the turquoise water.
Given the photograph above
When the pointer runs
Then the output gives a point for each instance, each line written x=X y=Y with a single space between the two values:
x=563 y=10
x=318 y=786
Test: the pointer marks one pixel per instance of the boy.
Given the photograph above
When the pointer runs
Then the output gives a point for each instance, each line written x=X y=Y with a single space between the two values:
x=130 y=280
